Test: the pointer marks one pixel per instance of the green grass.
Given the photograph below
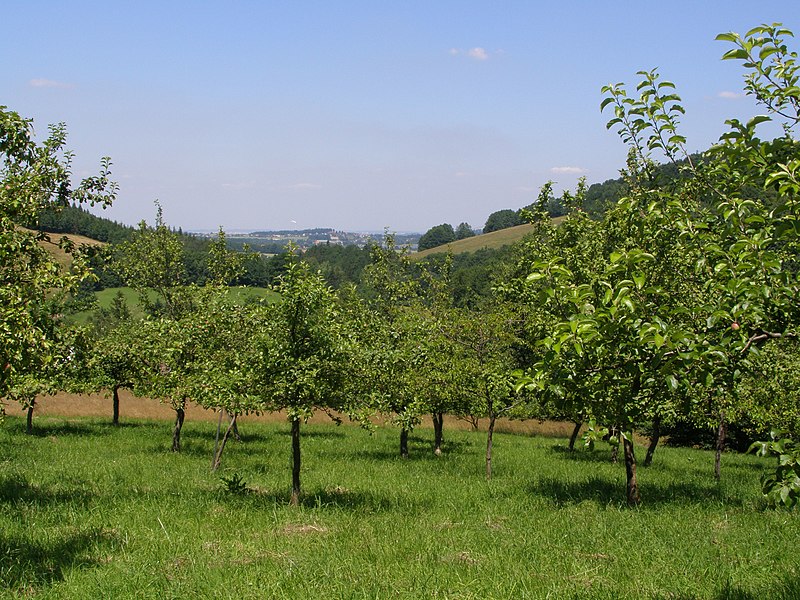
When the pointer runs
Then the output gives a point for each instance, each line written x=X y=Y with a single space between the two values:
x=106 y=296
x=92 y=511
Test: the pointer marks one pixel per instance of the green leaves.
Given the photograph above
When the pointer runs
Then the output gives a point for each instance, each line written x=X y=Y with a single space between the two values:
x=782 y=487
x=33 y=177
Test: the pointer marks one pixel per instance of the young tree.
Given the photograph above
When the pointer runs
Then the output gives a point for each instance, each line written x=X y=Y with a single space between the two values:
x=392 y=338
x=302 y=353
x=695 y=273
x=34 y=177
x=152 y=261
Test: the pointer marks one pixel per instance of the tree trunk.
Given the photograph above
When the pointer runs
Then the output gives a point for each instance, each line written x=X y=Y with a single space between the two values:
x=651 y=449
x=295 y=500
x=438 y=426
x=29 y=424
x=180 y=413
x=218 y=453
x=721 y=432
x=235 y=431
x=630 y=471
x=115 y=396
x=404 y=442
x=573 y=438
x=490 y=433
x=614 y=431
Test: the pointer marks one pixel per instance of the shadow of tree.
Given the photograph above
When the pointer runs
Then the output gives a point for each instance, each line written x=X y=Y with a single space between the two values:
x=602 y=454
x=607 y=491
x=787 y=588
x=26 y=563
x=16 y=489
x=339 y=498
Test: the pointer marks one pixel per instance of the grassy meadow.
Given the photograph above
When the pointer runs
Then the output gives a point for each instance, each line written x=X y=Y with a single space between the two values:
x=492 y=240
x=92 y=511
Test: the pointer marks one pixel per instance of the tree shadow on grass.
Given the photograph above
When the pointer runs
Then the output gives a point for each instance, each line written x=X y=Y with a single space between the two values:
x=26 y=564
x=608 y=492
x=598 y=455
x=329 y=498
x=46 y=429
x=420 y=449
x=16 y=489
x=787 y=588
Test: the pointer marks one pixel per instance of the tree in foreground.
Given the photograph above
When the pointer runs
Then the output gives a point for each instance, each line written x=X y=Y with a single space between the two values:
x=390 y=339
x=694 y=274
x=34 y=177
x=302 y=354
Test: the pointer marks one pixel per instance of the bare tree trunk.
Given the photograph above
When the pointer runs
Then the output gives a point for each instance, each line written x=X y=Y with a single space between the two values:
x=180 y=414
x=115 y=396
x=404 y=442
x=574 y=437
x=489 y=440
x=29 y=423
x=218 y=453
x=721 y=432
x=295 y=500
x=630 y=470
x=438 y=426
x=235 y=431
x=651 y=449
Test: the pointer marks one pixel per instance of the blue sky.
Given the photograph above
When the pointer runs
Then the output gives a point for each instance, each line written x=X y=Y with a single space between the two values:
x=358 y=115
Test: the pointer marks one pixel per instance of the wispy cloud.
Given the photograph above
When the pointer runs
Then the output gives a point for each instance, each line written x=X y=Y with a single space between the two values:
x=238 y=185
x=49 y=83
x=729 y=95
x=304 y=186
x=568 y=170
x=476 y=53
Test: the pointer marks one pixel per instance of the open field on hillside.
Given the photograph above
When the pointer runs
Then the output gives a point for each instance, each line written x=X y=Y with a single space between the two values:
x=243 y=294
x=58 y=253
x=106 y=296
x=92 y=511
x=493 y=240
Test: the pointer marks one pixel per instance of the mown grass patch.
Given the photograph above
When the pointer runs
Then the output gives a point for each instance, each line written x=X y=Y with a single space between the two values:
x=89 y=510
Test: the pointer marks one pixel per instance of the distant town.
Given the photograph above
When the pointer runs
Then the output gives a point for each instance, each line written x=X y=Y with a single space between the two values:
x=273 y=242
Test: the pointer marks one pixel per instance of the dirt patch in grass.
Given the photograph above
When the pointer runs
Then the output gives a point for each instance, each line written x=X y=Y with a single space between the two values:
x=295 y=528
x=133 y=407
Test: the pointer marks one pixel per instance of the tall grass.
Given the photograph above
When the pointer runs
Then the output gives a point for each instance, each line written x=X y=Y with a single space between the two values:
x=89 y=511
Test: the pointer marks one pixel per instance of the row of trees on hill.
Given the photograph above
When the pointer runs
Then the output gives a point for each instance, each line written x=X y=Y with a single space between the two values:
x=668 y=309
x=444 y=234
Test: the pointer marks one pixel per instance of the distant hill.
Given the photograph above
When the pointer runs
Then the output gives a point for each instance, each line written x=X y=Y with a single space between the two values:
x=492 y=241
x=78 y=221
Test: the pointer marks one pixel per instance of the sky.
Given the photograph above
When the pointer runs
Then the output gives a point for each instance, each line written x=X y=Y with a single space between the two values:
x=358 y=115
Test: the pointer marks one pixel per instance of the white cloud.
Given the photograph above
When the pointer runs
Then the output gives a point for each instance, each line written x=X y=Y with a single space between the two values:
x=729 y=95
x=240 y=185
x=49 y=83
x=478 y=54
x=568 y=170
